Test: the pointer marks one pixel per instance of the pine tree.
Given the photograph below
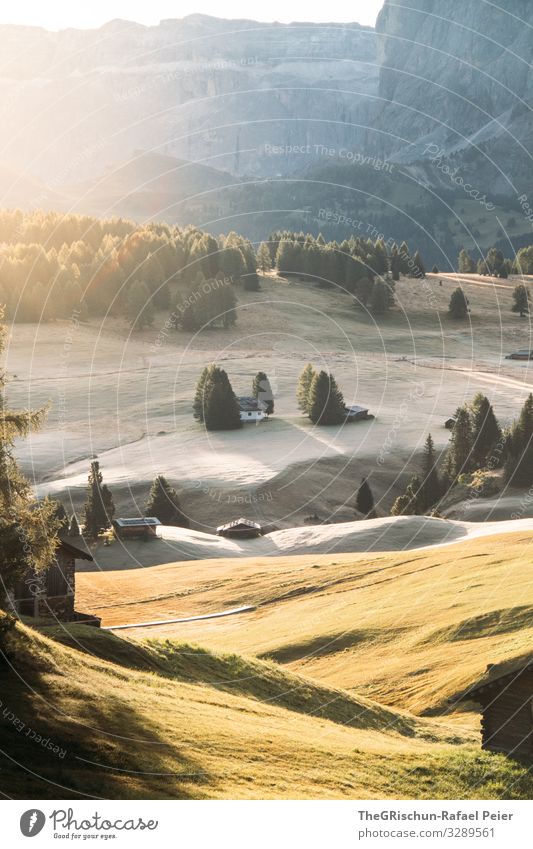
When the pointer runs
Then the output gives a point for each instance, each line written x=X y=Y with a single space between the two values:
x=304 y=387
x=364 y=501
x=98 y=503
x=325 y=405
x=430 y=486
x=28 y=530
x=164 y=504
x=262 y=390
x=519 y=463
x=379 y=300
x=418 y=268
x=409 y=504
x=199 y=397
x=139 y=306
x=435 y=270
x=74 y=529
x=60 y=516
x=521 y=298
x=466 y=264
x=458 y=306
x=395 y=263
x=264 y=260
x=221 y=409
x=486 y=432
x=460 y=450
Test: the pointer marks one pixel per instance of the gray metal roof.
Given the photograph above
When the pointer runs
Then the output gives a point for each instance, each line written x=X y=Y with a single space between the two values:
x=139 y=522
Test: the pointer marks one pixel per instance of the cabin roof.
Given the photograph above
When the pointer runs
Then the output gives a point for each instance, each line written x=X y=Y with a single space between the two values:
x=74 y=551
x=248 y=403
x=499 y=672
x=355 y=408
x=138 y=522
x=247 y=523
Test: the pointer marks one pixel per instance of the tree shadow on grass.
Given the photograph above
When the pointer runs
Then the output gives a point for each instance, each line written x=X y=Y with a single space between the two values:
x=58 y=742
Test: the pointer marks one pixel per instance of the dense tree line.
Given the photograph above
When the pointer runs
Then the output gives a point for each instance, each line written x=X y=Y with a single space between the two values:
x=495 y=264
x=56 y=266
x=364 y=268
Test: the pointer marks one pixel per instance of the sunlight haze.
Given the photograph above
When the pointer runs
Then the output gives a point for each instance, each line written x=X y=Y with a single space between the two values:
x=85 y=16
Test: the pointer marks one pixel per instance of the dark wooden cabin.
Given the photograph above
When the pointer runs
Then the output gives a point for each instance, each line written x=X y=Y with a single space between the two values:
x=505 y=694
x=51 y=593
x=240 y=528
x=142 y=527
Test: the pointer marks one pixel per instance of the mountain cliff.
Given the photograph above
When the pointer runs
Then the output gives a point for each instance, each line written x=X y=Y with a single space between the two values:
x=456 y=82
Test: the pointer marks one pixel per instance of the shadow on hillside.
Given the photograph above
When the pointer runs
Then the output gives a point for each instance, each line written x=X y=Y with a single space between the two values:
x=55 y=742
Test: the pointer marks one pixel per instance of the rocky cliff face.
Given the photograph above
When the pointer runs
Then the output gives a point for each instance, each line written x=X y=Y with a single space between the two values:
x=457 y=78
x=249 y=98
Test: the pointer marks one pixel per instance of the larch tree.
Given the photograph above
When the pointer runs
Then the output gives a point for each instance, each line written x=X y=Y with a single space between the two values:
x=465 y=264
x=28 y=529
x=521 y=300
x=264 y=259
x=139 y=306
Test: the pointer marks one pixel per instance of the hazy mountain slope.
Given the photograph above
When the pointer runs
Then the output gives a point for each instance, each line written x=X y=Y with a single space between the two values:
x=215 y=91
x=458 y=76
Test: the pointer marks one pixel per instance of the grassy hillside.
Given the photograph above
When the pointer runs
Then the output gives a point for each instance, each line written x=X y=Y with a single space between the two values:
x=408 y=629
x=160 y=721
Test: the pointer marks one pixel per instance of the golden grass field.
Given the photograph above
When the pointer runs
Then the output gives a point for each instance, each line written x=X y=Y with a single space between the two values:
x=337 y=686
x=409 y=629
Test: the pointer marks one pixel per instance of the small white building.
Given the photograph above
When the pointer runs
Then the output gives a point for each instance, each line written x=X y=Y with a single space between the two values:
x=251 y=409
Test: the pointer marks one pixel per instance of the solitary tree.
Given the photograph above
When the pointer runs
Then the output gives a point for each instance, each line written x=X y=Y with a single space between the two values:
x=99 y=508
x=164 y=504
x=262 y=390
x=326 y=405
x=199 y=397
x=304 y=386
x=458 y=306
x=28 y=529
x=364 y=501
x=521 y=300
x=418 y=266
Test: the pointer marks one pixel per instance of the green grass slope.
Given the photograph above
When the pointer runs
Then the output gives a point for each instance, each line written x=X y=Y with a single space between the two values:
x=116 y=719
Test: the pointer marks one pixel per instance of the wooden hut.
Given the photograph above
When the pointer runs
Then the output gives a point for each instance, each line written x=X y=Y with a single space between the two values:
x=142 y=527
x=240 y=528
x=51 y=593
x=505 y=694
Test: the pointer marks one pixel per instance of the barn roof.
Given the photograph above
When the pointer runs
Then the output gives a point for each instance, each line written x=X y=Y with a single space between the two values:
x=74 y=551
x=500 y=672
x=236 y=523
x=138 y=522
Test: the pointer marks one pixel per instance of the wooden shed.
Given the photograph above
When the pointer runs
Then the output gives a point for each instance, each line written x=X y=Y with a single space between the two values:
x=505 y=694
x=240 y=528
x=51 y=593
x=142 y=527
x=356 y=413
